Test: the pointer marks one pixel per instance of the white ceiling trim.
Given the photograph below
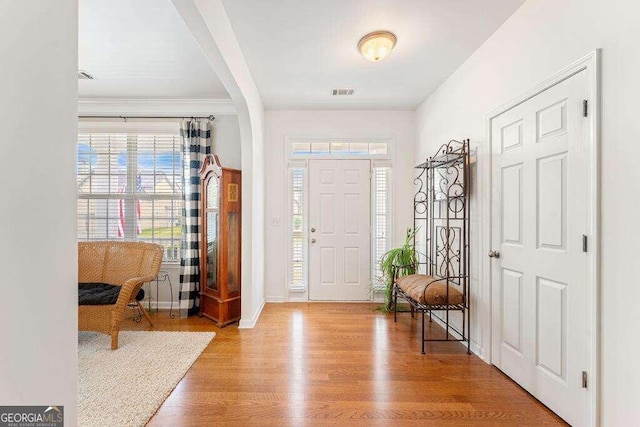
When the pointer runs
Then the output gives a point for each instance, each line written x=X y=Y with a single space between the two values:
x=155 y=107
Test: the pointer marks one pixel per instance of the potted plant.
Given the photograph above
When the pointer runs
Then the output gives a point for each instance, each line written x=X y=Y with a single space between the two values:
x=402 y=258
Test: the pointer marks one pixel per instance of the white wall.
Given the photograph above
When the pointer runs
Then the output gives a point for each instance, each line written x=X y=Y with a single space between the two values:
x=280 y=124
x=38 y=255
x=540 y=39
x=226 y=141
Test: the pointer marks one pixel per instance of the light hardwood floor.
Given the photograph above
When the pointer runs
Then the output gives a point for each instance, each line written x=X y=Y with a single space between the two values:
x=338 y=364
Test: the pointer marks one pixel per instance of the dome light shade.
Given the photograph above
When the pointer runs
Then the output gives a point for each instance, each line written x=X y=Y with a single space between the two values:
x=377 y=45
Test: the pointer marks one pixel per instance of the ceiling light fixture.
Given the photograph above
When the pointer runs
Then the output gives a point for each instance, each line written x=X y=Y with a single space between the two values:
x=377 y=45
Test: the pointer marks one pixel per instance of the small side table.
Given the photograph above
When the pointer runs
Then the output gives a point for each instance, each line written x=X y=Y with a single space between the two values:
x=163 y=276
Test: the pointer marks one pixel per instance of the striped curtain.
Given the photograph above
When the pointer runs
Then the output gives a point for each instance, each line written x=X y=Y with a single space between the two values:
x=196 y=144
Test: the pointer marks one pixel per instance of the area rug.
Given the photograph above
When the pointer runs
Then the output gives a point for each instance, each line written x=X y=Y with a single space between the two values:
x=126 y=387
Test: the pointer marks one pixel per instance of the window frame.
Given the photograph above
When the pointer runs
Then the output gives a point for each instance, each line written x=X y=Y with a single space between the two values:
x=131 y=130
x=380 y=164
x=290 y=141
x=304 y=165
x=302 y=160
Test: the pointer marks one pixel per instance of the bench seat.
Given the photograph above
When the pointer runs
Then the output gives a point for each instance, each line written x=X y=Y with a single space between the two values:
x=414 y=286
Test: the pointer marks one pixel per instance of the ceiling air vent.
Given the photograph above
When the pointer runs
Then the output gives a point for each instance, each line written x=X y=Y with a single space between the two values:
x=83 y=75
x=342 y=92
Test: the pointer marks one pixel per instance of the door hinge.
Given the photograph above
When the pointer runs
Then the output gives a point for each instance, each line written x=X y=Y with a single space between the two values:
x=585 y=108
x=584 y=379
x=584 y=243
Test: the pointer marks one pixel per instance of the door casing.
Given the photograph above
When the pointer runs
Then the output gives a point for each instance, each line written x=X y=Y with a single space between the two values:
x=590 y=63
x=377 y=160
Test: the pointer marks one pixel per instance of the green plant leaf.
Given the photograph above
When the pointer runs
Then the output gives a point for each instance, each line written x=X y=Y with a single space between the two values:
x=403 y=258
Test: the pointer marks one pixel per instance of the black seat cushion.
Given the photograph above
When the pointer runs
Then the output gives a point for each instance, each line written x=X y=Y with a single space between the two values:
x=101 y=294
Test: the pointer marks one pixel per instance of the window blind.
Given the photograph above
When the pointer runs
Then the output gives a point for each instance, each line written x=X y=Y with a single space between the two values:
x=297 y=261
x=130 y=187
x=381 y=219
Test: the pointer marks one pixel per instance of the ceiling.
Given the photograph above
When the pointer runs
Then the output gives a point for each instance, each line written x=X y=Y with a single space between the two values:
x=299 y=50
x=141 y=49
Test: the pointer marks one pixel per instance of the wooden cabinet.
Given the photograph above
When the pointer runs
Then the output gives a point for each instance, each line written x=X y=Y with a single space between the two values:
x=220 y=263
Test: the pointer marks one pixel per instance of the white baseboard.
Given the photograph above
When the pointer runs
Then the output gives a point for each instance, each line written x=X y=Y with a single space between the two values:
x=162 y=305
x=274 y=299
x=249 y=324
x=478 y=351
x=378 y=298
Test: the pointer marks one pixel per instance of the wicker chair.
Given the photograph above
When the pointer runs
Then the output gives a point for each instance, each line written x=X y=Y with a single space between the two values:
x=126 y=264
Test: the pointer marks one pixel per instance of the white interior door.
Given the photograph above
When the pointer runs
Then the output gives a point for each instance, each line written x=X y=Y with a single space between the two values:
x=339 y=230
x=539 y=217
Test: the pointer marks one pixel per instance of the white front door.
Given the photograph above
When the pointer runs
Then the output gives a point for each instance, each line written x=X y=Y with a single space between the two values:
x=539 y=281
x=339 y=230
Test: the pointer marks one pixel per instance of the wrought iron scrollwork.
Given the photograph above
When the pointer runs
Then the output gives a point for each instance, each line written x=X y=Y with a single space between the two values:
x=442 y=216
x=420 y=199
x=448 y=252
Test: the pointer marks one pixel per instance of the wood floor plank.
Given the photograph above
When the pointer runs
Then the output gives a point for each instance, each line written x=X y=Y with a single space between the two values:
x=337 y=364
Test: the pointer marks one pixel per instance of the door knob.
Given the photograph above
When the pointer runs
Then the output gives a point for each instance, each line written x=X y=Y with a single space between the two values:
x=494 y=254
x=313 y=240
x=313 y=230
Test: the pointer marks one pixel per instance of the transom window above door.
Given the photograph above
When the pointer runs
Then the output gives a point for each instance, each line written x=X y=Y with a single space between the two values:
x=338 y=148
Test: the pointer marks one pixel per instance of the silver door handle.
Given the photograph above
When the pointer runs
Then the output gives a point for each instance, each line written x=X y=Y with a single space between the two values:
x=313 y=240
x=494 y=254
x=313 y=230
